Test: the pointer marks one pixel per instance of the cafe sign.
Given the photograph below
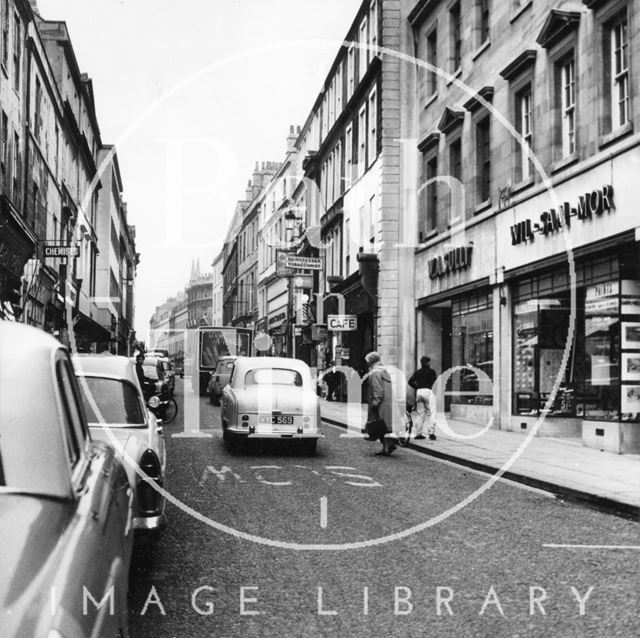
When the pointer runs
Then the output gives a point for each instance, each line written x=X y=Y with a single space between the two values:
x=342 y=323
x=551 y=221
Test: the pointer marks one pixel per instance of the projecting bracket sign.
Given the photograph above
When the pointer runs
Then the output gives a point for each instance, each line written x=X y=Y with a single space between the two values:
x=302 y=263
x=61 y=250
x=342 y=323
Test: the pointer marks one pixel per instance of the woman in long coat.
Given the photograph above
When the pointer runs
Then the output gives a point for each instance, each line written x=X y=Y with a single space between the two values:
x=380 y=399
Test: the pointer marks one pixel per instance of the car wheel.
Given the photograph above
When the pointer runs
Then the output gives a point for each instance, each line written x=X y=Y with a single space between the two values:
x=310 y=446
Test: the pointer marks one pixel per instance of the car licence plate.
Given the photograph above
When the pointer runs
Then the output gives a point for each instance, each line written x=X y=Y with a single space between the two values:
x=275 y=419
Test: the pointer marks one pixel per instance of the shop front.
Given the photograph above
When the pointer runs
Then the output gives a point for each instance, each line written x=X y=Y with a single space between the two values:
x=455 y=320
x=17 y=245
x=277 y=330
x=572 y=277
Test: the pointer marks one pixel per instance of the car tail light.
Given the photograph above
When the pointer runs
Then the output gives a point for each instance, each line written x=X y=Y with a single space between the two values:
x=149 y=500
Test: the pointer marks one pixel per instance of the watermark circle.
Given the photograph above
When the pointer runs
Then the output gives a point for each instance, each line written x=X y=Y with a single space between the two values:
x=382 y=52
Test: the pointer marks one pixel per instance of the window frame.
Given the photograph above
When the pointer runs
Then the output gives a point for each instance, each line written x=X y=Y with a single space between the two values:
x=431 y=40
x=372 y=126
x=455 y=142
x=523 y=168
x=482 y=129
x=455 y=37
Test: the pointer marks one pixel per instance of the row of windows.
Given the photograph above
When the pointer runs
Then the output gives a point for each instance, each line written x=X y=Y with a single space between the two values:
x=434 y=51
x=360 y=53
x=247 y=241
x=9 y=20
x=353 y=154
x=443 y=172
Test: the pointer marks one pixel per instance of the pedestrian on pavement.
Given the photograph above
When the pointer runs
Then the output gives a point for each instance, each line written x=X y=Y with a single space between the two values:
x=332 y=380
x=380 y=405
x=144 y=382
x=422 y=381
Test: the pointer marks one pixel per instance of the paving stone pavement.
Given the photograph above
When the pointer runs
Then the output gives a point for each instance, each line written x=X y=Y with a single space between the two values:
x=563 y=466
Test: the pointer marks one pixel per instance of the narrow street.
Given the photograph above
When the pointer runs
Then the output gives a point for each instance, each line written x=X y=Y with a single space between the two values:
x=484 y=571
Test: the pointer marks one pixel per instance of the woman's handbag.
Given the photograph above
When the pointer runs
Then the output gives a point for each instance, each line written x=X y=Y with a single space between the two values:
x=376 y=429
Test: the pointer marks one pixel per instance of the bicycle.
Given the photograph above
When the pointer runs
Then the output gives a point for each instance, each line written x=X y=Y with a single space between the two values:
x=169 y=410
x=404 y=435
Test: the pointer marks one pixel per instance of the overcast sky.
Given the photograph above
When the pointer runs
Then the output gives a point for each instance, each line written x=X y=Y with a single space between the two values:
x=193 y=93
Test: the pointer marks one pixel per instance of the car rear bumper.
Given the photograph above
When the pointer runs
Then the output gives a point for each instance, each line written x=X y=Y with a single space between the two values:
x=148 y=523
x=274 y=435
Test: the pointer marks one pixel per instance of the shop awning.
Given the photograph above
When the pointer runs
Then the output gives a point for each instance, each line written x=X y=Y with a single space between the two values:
x=90 y=330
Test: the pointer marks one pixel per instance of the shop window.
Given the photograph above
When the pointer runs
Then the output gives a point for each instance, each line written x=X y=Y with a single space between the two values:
x=541 y=364
x=601 y=377
x=472 y=345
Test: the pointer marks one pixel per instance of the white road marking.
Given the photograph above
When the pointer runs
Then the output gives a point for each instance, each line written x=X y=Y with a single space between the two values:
x=458 y=466
x=567 y=546
x=323 y=512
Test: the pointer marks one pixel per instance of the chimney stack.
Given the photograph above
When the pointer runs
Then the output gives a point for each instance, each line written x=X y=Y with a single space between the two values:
x=291 y=139
x=248 y=193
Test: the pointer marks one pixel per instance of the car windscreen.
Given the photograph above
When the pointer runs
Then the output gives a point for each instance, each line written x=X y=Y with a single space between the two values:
x=117 y=401
x=273 y=376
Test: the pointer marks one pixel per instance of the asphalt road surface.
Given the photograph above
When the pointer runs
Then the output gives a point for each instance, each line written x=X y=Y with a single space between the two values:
x=255 y=547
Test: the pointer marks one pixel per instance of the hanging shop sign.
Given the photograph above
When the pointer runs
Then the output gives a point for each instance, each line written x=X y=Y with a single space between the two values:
x=551 y=221
x=302 y=263
x=281 y=267
x=303 y=282
x=318 y=332
x=277 y=320
x=342 y=323
x=458 y=258
x=61 y=250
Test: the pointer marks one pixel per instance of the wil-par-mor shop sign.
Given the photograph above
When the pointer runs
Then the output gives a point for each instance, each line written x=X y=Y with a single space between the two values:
x=589 y=205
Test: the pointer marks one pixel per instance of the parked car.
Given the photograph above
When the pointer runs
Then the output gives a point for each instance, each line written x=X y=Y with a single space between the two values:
x=117 y=414
x=65 y=500
x=169 y=373
x=154 y=372
x=271 y=398
x=219 y=378
x=158 y=352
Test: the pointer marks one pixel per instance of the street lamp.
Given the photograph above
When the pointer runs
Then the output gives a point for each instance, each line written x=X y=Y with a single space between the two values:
x=290 y=219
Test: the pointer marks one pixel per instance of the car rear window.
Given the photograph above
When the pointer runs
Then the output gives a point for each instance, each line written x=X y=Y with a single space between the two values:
x=273 y=376
x=150 y=371
x=117 y=401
